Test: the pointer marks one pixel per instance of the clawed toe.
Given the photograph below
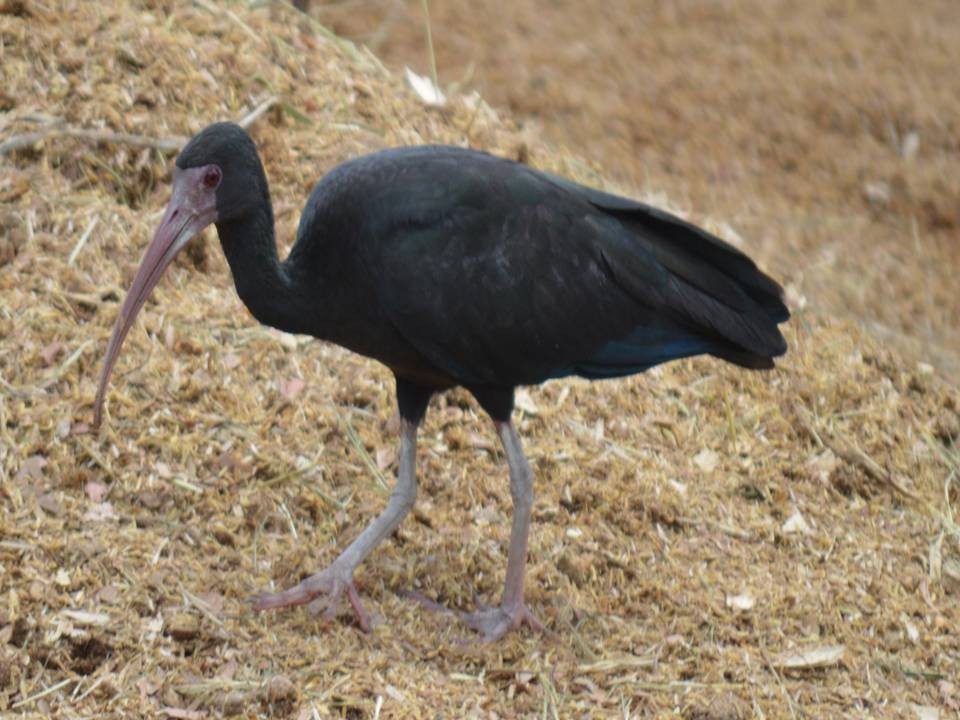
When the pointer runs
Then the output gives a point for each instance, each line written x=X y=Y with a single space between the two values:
x=321 y=593
x=492 y=622
x=495 y=622
x=330 y=605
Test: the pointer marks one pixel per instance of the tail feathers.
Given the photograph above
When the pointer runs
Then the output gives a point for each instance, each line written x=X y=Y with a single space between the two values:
x=707 y=262
x=752 y=328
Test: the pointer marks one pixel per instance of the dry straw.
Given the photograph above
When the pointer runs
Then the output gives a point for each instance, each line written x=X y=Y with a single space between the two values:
x=697 y=529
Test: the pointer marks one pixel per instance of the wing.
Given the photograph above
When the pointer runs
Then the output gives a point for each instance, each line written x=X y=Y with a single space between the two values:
x=500 y=275
x=689 y=252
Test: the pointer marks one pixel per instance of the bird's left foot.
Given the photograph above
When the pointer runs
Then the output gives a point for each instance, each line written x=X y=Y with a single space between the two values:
x=493 y=623
x=321 y=593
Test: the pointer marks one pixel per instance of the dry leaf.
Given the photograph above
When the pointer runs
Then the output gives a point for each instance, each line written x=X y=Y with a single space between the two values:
x=813 y=658
x=183 y=714
x=213 y=601
x=182 y=626
x=385 y=457
x=524 y=402
x=911 y=629
x=82 y=617
x=795 y=524
x=425 y=88
x=743 y=602
x=935 y=558
x=96 y=491
x=926 y=712
x=108 y=594
x=948 y=693
x=32 y=467
x=13 y=186
x=228 y=671
x=289 y=389
x=50 y=352
x=147 y=687
x=49 y=503
x=100 y=512
x=706 y=460
x=823 y=464
x=63 y=428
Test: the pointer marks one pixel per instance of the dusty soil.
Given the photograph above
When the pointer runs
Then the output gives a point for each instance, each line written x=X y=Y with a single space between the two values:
x=708 y=543
x=828 y=132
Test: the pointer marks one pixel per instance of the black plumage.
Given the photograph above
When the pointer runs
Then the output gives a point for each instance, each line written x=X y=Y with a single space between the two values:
x=456 y=268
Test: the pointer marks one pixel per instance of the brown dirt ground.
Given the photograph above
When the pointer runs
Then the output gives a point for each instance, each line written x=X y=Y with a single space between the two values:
x=697 y=528
x=790 y=120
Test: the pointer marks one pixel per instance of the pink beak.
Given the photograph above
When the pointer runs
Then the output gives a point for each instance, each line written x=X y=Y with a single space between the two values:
x=191 y=208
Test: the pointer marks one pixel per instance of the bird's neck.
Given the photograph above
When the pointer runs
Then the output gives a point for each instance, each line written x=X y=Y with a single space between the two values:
x=265 y=285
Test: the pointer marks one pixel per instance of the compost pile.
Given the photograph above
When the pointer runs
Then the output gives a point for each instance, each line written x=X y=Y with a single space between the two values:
x=706 y=541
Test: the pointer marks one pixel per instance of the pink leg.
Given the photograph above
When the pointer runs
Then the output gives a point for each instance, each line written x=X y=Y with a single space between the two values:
x=495 y=622
x=324 y=590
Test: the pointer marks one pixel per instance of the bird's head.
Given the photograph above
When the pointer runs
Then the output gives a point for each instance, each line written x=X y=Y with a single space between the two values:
x=218 y=176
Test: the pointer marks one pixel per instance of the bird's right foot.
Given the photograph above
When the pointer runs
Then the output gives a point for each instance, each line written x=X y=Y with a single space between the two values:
x=493 y=623
x=321 y=592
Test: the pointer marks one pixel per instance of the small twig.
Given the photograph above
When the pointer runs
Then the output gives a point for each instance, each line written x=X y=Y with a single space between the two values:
x=375 y=39
x=187 y=485
x=779 y=678
x=37 y=390
x=255 y=114
x=20 y=141
x=214 y=10
x=162 y=144
x=83 y=240
x=93 y=687
x=856 y=457
x=285 y=511
x=200 y=605
x=50 y=690
x=621 y=451
x=23 y=393
x=433 y=57
x=100 y=460
x=18 y=545
x=204 y=607
x=295 y=474
x=730 y=530
x=207 y=687
x=166 y=145
x=361 y=450
x=65 y=365
x=329 y=499
x=363 y=56
x=674 y=685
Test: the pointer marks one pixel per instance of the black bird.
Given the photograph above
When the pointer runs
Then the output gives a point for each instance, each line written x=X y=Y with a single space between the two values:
x=453 y=267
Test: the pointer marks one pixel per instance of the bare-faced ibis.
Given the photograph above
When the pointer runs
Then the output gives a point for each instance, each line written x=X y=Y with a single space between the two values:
x=453 y=267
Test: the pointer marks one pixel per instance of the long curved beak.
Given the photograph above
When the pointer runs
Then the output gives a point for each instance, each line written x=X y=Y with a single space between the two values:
x=186 y=215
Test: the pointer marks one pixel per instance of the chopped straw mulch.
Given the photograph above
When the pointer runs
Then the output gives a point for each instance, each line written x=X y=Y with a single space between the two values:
x=708 y=543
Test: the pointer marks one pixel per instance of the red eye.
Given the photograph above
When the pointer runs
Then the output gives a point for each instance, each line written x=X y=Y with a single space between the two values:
x=211 y=178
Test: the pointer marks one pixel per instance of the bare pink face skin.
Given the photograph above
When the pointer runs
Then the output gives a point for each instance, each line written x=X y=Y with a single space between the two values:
x=192 y=206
